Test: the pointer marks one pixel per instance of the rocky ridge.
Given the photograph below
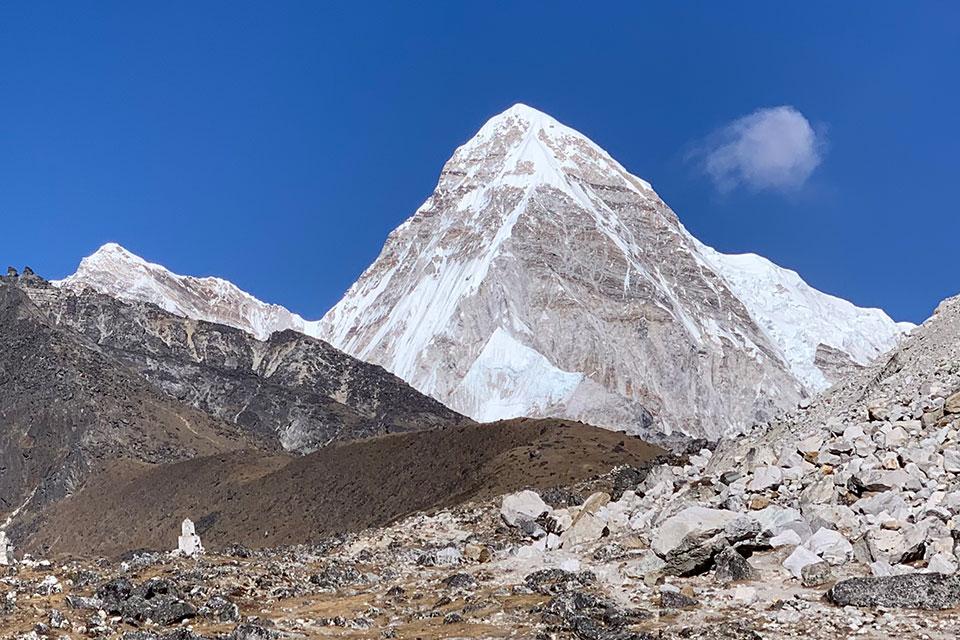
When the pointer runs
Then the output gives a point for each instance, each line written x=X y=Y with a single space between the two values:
x=68 y=407
x=289 y=390
x=541 y=278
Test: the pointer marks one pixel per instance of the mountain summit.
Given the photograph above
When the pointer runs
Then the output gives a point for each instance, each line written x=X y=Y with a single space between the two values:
x=542 y=278
x=116 y=272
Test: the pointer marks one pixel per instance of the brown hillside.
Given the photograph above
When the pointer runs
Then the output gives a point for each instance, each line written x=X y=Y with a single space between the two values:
x=258 y=500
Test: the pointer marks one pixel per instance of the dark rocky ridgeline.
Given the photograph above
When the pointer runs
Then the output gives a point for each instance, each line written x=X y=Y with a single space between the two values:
x=294 y=390
x=67 y=407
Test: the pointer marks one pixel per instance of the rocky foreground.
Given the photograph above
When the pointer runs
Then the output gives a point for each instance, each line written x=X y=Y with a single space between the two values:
x=840 y=520
x=485 y=570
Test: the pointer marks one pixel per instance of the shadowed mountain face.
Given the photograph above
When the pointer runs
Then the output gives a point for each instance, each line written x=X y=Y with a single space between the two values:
x=67 y=407
x=89 y=382
x=261 y=501
x=291 y=390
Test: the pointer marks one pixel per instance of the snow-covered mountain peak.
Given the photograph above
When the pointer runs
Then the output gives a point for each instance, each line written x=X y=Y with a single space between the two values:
x=527 y=148
x=543 y=278
x=120 y=273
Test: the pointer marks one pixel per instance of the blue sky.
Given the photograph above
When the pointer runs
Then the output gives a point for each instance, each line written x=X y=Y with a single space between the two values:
x=276 y=144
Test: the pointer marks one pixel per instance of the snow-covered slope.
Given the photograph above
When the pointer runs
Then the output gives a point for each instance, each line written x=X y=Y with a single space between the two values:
x=116 y=272
x=799 y=318
x=541 y=278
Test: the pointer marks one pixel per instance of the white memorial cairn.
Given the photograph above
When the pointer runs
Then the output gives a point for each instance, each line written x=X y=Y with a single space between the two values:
x=188 y=544
x=6 y=549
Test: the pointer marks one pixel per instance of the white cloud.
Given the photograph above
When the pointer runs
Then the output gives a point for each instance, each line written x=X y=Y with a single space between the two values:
x=772 y=148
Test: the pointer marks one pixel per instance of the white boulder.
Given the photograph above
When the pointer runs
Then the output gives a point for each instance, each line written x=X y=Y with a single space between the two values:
x=765 y=477
x=522 y=505
x=699 y=522
x=831 y=546
x=797 y=560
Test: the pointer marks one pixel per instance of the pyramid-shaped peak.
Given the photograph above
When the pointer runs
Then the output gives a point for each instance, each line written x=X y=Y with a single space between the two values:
x=531 y=120
x=115 y=250
x=525 y=112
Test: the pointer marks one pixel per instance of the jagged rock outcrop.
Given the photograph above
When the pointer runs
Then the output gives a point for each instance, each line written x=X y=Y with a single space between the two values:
x=290 y=389
x=67 y=407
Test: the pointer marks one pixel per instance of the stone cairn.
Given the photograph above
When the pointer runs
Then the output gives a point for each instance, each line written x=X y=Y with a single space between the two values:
x=188 y=544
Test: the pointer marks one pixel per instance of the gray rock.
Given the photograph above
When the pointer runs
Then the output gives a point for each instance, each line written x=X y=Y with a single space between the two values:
x=252 y=632
x=911 y=591
x=684 y=529
x=816 y=574
x=676 y=600
x=220 y=609
x=522 y=505
x=554 y=581
x=732 y=567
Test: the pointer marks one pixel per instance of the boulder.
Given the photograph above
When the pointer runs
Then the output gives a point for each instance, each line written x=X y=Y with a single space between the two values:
x=911 y=591
x=690 y=525
x=945 y=563
x=522 y=505
x=800 y=558
x=884 y=543
x=951 y=460
x=765 y=477
x=952 y=403
x=833 y=516
x=879 y=480
x=646 y=566
x=775 y=519
x=816 y=574
x=732 y=567
x=586 y=528
x=831 y=546
x=785 y=539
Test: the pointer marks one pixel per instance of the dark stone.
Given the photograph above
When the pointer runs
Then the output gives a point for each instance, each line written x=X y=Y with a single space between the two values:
x=625 y=479
x=676 y=600
x=156 y=587
x=140 y=635
x=553 y=581
x=816 y=574
x=182 y=634
x=113 y=594
x=452 y=618
x=460 y=581
x=560 y=497
x=334 y=576
x=732 y=567
x=729 y=477
x=220 y=609
x=721 y=631
x=591 y=618
x=252 y=632
x=163 y=609
x=910 y=591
